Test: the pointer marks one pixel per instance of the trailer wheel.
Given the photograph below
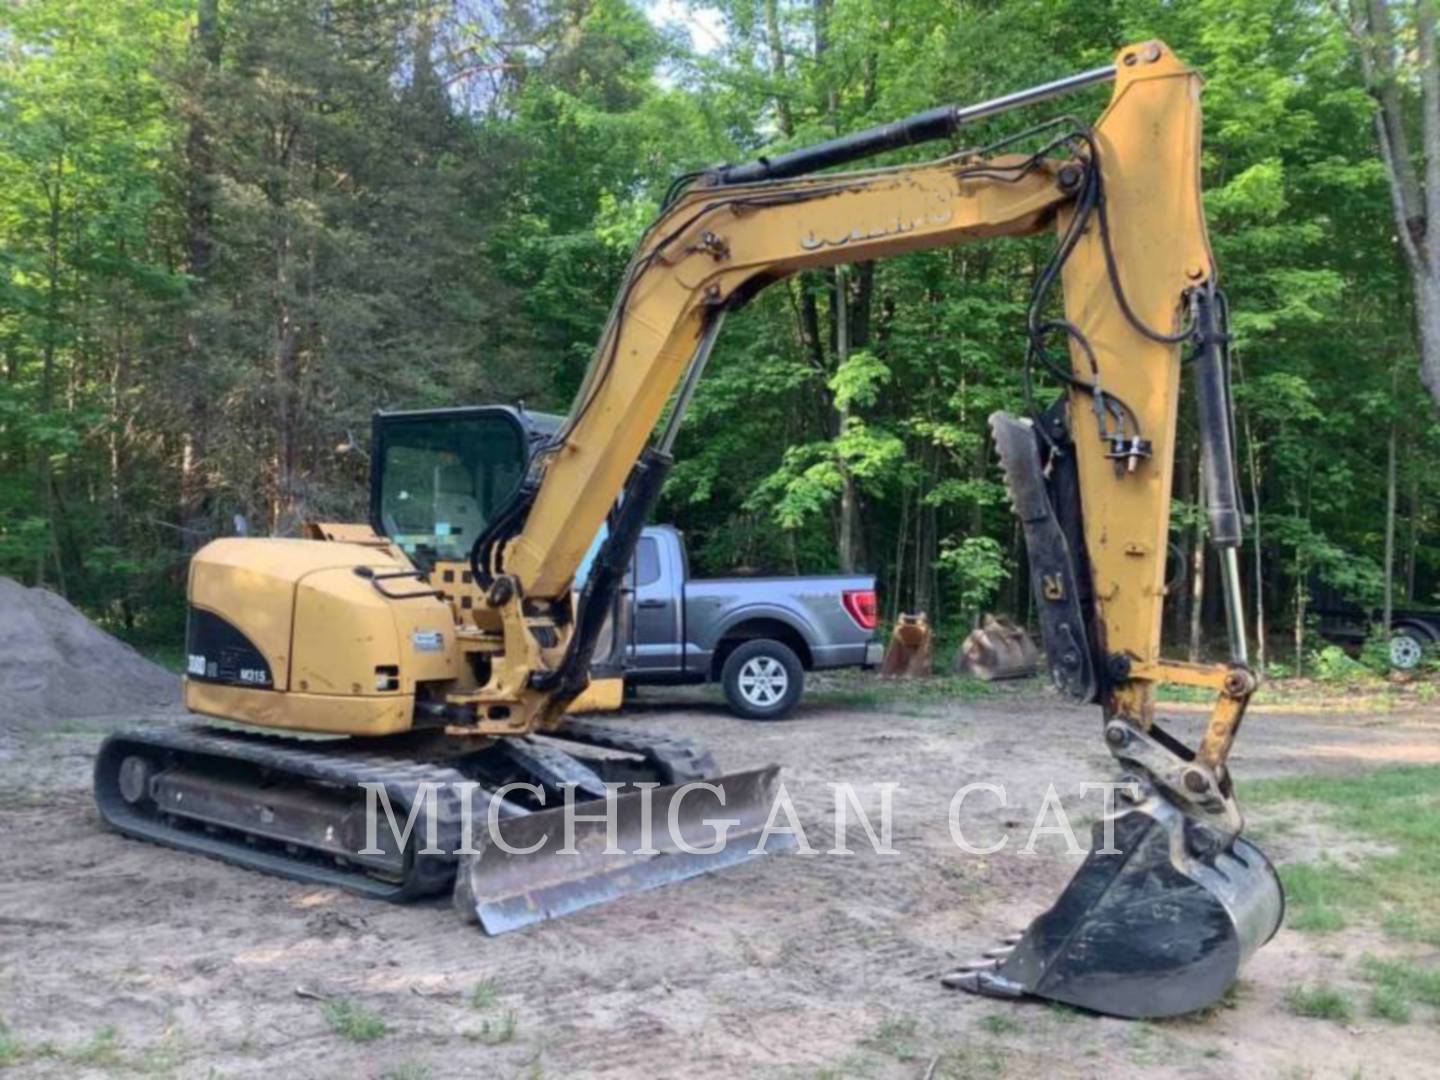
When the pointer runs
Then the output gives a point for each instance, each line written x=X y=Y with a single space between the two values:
x=1408 y=646
x=763 y=679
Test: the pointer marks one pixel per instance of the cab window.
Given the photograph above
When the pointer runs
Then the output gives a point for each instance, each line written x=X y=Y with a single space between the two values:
x=443 y=478
x=647 y=562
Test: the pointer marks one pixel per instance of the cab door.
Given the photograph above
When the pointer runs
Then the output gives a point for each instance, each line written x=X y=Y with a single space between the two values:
x=657 y=619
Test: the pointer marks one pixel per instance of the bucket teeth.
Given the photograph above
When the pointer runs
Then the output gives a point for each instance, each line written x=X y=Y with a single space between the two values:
x=985 y=982
x=974 y=965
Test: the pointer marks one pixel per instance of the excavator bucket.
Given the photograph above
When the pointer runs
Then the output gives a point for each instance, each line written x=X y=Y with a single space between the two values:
x=1159 y=926
x=998 y=650
x=910 y=652
x=534 y=868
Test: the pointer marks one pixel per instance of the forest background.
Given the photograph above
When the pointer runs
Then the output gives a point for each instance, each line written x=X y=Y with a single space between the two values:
x=230 y=231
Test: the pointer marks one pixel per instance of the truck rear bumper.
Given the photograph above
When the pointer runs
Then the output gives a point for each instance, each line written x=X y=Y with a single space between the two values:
x=859 y=654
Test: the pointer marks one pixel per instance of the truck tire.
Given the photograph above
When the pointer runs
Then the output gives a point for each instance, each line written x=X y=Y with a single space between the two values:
x=763 y=679
x=1408 y=646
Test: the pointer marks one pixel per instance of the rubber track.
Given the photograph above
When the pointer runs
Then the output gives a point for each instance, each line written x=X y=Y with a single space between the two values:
x=678 y=760
x=424 y=875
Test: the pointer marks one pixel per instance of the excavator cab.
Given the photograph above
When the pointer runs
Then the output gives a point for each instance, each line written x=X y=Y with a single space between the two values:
x=438 y=477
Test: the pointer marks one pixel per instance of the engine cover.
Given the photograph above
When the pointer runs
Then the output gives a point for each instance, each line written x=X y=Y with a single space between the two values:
x=312 y=635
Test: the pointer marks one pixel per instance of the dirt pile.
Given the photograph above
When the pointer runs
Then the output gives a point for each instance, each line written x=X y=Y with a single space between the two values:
x=55 y=664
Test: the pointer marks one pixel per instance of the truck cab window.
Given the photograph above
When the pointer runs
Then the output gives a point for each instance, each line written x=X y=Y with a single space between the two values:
x=647 y=562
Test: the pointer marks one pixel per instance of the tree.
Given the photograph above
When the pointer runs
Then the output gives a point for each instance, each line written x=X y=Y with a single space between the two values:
x=1396 y=77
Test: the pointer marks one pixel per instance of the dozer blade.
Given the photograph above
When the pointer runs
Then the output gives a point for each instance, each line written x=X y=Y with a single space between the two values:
x=538 y=875
x=1154 y=930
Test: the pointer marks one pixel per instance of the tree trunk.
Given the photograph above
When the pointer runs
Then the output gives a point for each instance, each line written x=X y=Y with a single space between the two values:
x=1412 y=555
x=1414 y=205
x=849 y=497
x=1302 y=594
x=285 y=370
x=199 y=258
x=777 y=66
x=898 y=583
x=1390 y=455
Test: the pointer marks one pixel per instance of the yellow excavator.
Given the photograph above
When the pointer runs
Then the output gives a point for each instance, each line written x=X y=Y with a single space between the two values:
x=440 y=647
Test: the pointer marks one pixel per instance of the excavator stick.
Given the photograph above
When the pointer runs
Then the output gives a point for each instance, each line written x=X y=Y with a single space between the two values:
x=1153 y=926
x=555 y=862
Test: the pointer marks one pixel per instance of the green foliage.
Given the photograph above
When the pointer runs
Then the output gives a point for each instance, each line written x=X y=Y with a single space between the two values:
x=1319 y=1002
x=979 y=566
x=496 y=1032
x=1404 y=980
x=219 y=251
x=353 y=1021
x=1334 y=664
x=11 y=1048
x=484 y=994
x=1395 y=813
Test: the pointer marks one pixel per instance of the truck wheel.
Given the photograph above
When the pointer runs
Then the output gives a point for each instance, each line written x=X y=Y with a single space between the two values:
x=1407 y=648
x=763 y=679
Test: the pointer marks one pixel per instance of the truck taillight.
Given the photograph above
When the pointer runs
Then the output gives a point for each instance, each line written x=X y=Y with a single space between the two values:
x=860 y=603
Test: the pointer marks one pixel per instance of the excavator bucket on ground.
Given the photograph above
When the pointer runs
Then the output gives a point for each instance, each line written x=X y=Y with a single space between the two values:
x=1154 y=926
x=910 y=654
x=538 y=866
x=998 y=650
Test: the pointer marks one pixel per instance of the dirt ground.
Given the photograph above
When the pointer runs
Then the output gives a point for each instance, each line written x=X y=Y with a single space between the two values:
x=787 y=966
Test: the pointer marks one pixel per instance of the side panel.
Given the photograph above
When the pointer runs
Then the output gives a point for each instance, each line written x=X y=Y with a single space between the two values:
x=323 y=713
x=347 y=636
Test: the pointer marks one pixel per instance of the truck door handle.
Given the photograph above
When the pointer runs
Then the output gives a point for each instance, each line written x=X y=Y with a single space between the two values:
x=650 y=603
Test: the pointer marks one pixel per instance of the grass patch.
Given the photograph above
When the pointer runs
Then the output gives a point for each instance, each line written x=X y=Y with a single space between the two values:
x=10 y=1046
x=1000 y=1024
x=895 y=1038
x=496 y=1033
x=102 y=1050
x=1387 y=1003
x=1396 y=808
x=407 y=1072
x=973 y=1063
x=485 y=994
x=1319 y=1002
x=354 y=1021
x=1397 y=985
x=1064 y=1014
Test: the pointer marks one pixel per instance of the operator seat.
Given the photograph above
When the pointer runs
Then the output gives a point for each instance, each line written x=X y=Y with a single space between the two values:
x=457 y=514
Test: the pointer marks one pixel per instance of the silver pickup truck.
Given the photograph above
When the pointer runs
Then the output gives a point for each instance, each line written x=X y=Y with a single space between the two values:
x=755 y=635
